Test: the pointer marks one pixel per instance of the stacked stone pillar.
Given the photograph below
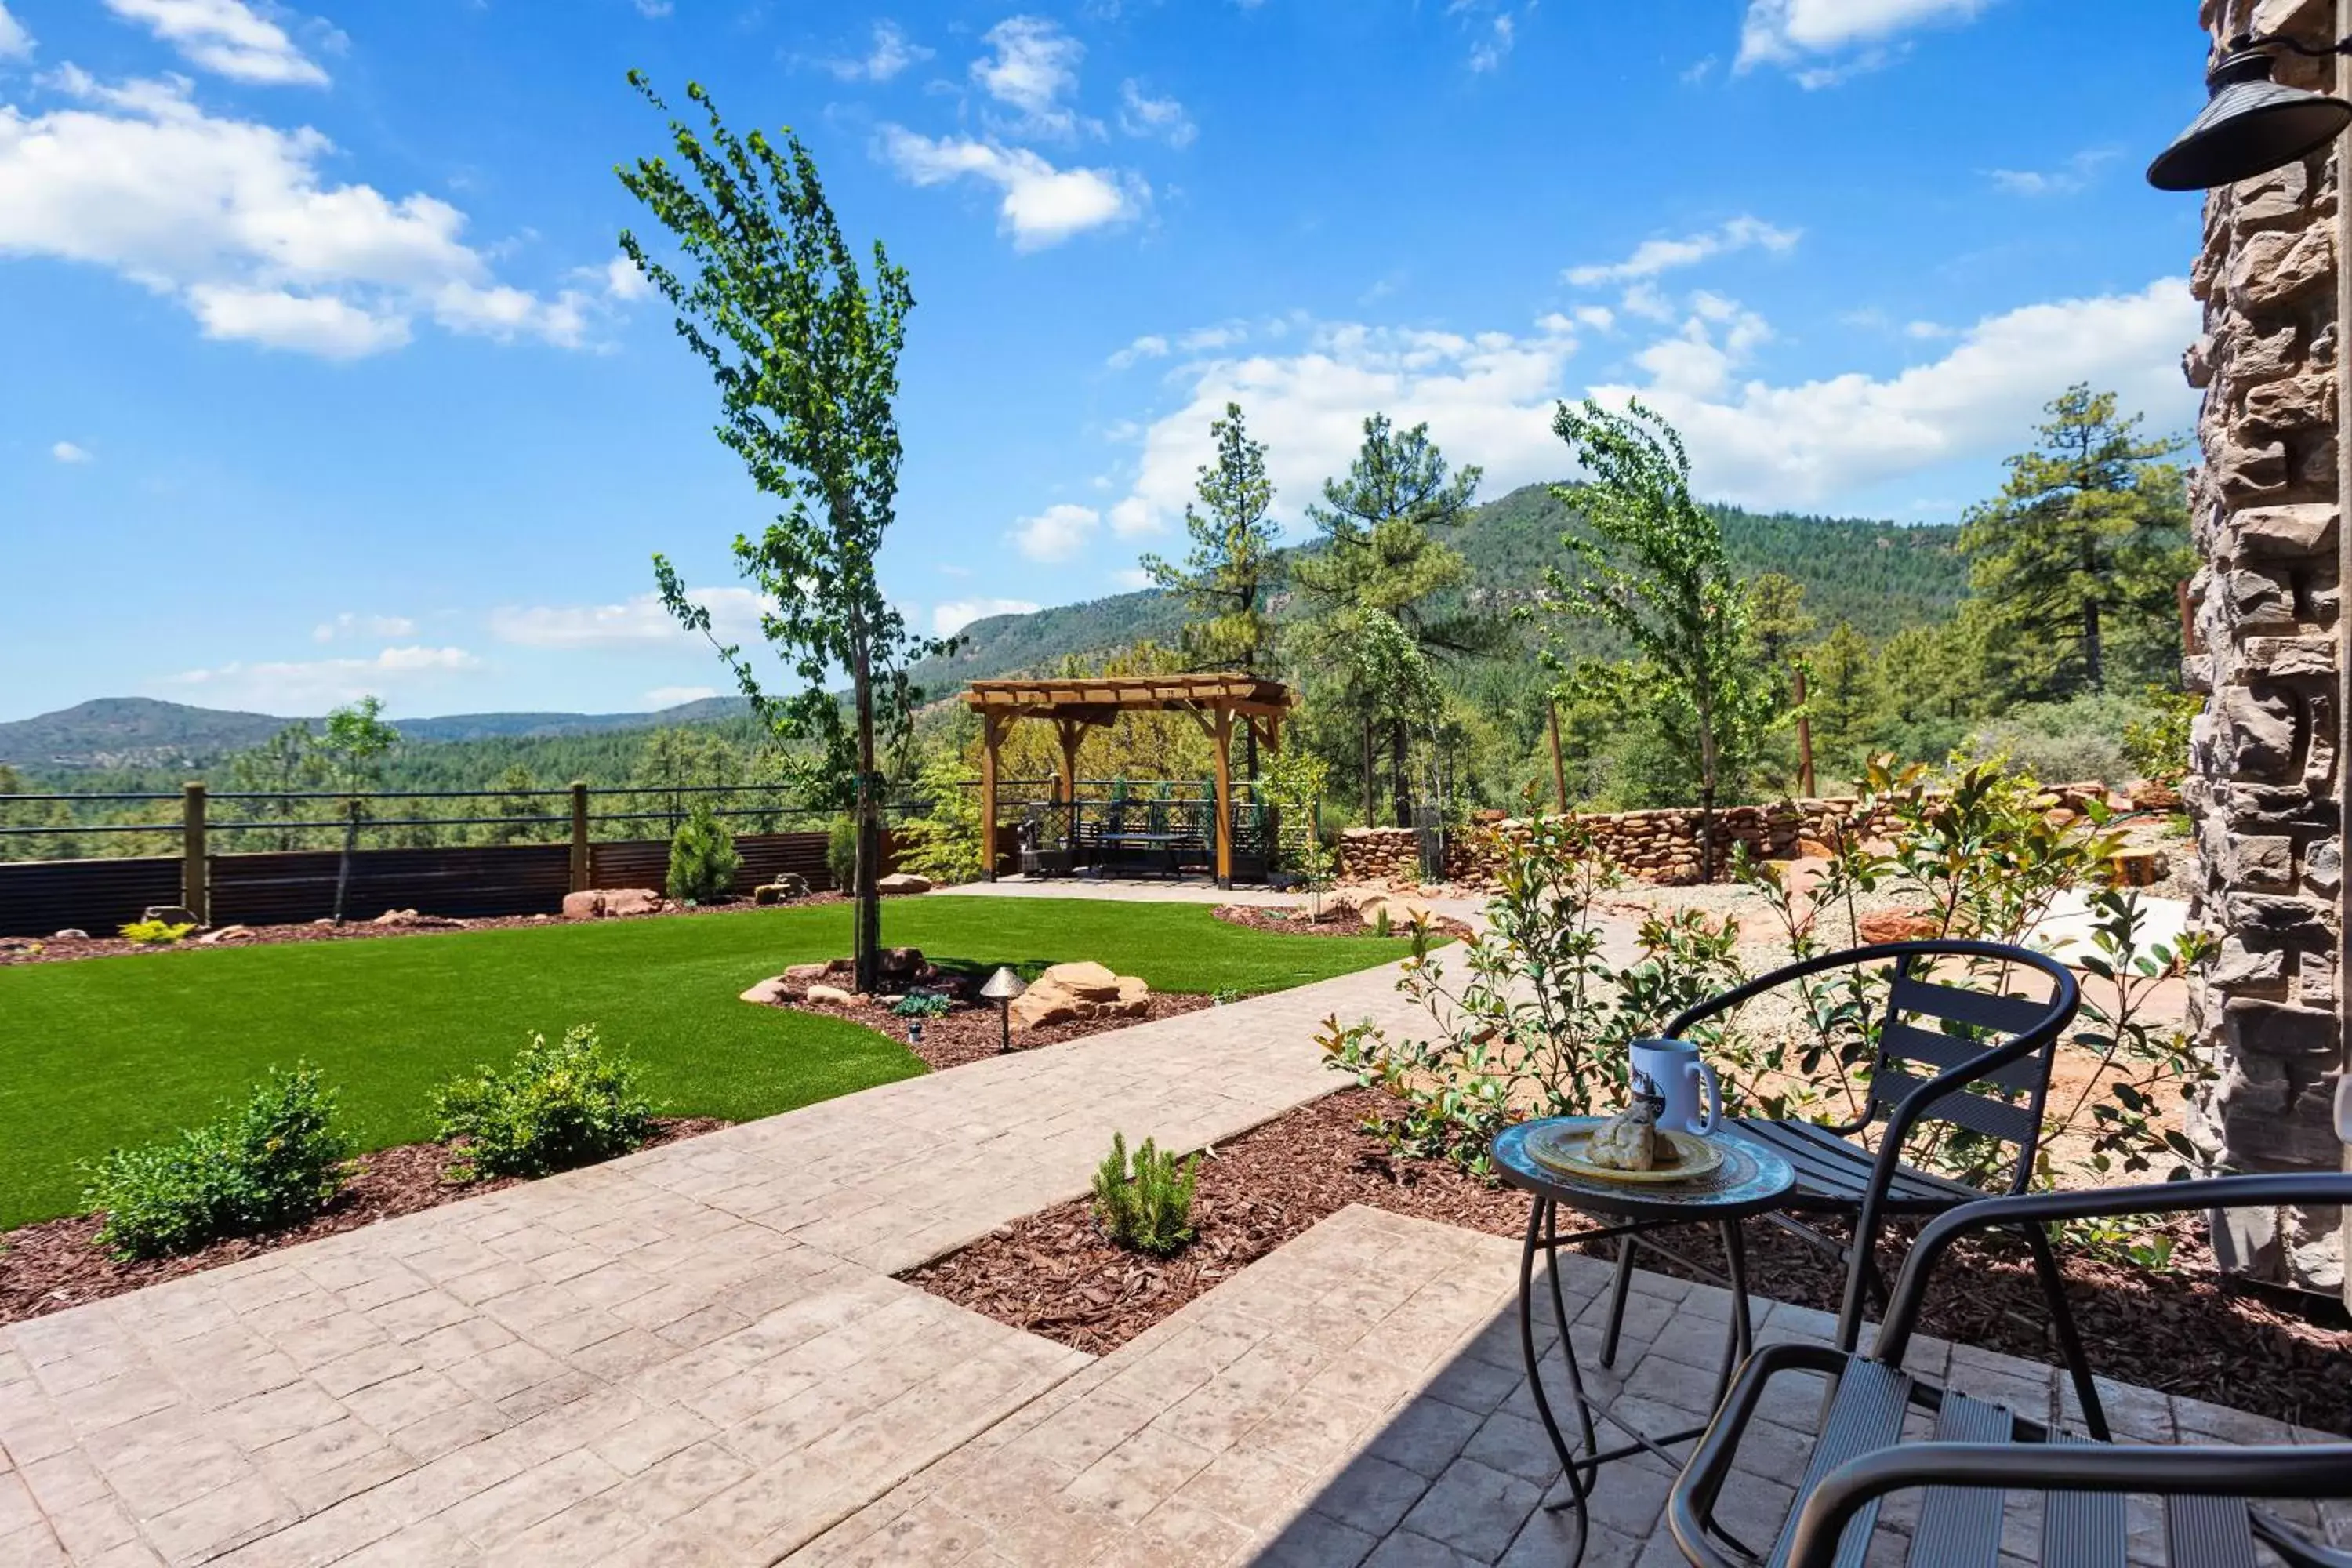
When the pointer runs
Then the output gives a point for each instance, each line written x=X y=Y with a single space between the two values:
x=2265 y=787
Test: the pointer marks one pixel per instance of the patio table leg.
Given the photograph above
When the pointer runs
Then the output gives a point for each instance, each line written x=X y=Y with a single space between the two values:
x=1617 y=1291
x=1739 y=1338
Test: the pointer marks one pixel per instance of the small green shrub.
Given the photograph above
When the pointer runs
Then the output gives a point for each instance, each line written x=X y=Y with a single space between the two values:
x=702 y=858
x=841 y=852
x=554 y=1107
x=921 y=1004
x=273 y=1162
x=155 y=934
x=1153 y=1211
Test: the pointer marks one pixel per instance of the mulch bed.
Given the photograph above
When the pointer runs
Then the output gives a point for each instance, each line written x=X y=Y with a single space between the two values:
x=1339 y=920
x=56 y=950
x=971 y=1032
x=58 y=1264
x=2190 y=1333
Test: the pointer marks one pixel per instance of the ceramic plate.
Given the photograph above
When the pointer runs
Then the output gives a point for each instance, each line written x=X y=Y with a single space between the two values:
x=1562 y=1148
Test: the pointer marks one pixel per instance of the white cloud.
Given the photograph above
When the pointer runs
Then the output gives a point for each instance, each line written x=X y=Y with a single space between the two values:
x=1653 y=257
x=233 y=218
x=1041 y=206
x=1161 y=119
x=350 y=625
x=1031 y=66
x=311 y=685
x=890 y=53
x=1056 y=533
x=1489 y=51
x=622 y=280
x=16 y=44
x=1489 y=398
x=1151 y=345
x=641 y=621
x=227 y=38
x=1127 y=579
x=654 y=10
x=662 y=697
x=2065 y=180
x=1795 y=33
x=67 y=452
x=957 y=614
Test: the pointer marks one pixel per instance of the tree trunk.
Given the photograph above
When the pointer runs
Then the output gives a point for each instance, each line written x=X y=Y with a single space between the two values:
x=1372 y=777
x=1707 y=782
x=1400 y=779
x=343 y=864
x=2094 y=659
x=865 y=948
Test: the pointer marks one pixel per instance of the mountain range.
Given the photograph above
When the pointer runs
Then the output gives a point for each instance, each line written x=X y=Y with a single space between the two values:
x=1881 y=576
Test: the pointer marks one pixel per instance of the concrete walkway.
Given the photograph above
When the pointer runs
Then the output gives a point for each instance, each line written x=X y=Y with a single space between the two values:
x=698 y=1349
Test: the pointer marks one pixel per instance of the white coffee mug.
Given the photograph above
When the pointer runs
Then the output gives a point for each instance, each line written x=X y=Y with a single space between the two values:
x=1675 y=1067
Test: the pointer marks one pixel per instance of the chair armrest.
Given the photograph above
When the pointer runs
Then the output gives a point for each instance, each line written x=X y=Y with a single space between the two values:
x=2278 y=1471
x=1691 y=1502
x=2314 y=1191
x=1951 y=947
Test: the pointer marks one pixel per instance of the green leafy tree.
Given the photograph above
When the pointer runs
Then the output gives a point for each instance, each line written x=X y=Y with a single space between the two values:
x=944 y=845
x=516 y=806
x=355 y=746
x=1299 y=779
x=2080 y=554
x=1846 y=697
x=1653 y=568
x=804 y=348
x=1379 y=551
x=1228 y=578
x=676 y=761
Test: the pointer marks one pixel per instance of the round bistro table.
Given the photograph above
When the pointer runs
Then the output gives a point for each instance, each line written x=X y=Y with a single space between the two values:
x=1751 y=1180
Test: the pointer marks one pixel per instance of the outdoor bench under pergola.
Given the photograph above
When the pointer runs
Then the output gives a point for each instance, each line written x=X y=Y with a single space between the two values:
x=1075 y=705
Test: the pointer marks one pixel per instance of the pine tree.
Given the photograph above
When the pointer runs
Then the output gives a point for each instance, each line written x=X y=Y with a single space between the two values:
x=1845 y=696
x=2091 y=530
x=1379 y=555
x=1228 y=578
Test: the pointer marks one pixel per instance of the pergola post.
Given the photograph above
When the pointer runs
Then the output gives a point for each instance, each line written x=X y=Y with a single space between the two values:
x=992 y=736
x=1073 y=732
x=1220 y=733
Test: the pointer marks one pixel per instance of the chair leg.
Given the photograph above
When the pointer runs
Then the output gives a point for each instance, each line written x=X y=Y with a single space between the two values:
x=2070 y=1343
x=1617 y=1292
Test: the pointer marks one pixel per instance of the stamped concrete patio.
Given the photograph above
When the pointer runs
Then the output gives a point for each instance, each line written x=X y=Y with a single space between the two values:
x=697 y=1355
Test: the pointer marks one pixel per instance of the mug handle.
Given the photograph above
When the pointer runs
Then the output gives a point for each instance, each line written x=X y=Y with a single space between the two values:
x=1714 y=1098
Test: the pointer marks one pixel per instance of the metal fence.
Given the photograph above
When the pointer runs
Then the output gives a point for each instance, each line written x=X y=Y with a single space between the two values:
x=268 y=884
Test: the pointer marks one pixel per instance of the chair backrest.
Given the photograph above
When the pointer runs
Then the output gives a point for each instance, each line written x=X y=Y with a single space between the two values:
x=1932 y=1027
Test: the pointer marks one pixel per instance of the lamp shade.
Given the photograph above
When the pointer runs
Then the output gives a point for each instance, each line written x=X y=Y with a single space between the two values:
x=2249 y=126
x=1003 y=987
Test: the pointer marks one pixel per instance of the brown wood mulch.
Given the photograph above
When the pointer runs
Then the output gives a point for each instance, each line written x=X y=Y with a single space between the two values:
x=1339 y=920
x=971 y=1032
x=2190 y=1332
x=58 y=1264
x=59 y=950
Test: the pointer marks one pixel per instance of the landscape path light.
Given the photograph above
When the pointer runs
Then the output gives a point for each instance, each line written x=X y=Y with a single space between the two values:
x=1002 y=988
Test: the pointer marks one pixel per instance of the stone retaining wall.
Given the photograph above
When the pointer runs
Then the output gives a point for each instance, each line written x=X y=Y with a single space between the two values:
x=1655 y=845
x=2265 y=786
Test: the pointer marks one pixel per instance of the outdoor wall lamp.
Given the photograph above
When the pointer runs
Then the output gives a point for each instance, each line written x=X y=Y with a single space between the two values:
x=2250 y=124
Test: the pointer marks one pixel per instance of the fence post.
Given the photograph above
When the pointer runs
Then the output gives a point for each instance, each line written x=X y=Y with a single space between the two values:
x=580 y=867
x=195 y=896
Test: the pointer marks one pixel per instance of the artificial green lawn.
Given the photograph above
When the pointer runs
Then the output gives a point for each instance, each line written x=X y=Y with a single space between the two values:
x=110 y=1051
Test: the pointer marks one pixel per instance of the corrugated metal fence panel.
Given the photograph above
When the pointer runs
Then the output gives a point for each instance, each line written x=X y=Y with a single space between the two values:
x=469 y=881
x=39 y=898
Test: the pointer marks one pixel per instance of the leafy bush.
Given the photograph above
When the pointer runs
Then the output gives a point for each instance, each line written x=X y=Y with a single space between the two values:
x=841 y=852
x=155 y=934
x=571 y=1103
x=273 y=1162
x=1152 y=1213
x=2158 y=745
x=921 y=1004
x=1538 y=1023
x=702 y=857
x=2065 y=743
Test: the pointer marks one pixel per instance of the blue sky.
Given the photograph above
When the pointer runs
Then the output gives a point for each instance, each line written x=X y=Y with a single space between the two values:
x=318 y=377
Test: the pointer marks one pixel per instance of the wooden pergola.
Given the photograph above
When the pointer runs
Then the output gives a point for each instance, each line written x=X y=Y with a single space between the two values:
x=1075 y=705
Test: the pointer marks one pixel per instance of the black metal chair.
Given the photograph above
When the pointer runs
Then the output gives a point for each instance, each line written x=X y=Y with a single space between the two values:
x=2011 y=1045
x=1981 y=1450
